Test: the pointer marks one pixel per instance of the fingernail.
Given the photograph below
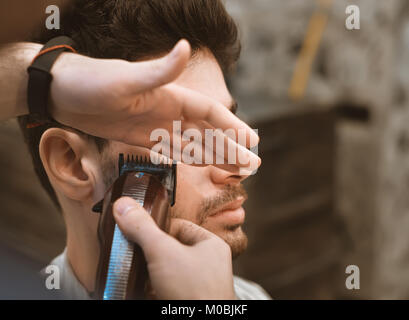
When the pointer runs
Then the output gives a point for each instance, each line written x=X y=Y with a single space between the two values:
x=123 y=205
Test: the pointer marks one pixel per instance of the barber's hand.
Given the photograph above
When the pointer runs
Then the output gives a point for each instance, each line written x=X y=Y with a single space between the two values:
x=126 y=101
x=198 y=265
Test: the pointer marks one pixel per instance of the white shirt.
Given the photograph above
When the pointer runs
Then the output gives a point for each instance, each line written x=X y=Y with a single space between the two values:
x=72 y=289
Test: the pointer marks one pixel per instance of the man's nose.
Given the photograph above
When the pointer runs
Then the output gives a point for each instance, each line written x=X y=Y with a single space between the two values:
x=228 y=175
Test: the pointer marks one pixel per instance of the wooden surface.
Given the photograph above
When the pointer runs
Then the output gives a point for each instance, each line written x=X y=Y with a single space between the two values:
x=296 y=242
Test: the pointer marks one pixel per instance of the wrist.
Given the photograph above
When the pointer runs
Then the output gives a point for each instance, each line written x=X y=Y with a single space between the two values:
x=40 y=77
x=64 y=61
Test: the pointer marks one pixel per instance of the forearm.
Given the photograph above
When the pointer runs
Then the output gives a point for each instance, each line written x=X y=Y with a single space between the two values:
x=14 y=61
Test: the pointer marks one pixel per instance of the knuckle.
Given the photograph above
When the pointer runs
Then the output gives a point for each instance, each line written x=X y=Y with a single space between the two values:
x=209 y=112
x=220 y=246
x=224 y=250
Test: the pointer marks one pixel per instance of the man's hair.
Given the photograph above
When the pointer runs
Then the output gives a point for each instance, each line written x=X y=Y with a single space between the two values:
x=136 y=30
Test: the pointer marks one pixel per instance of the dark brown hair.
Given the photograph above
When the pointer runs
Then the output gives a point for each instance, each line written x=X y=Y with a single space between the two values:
x=136 y=30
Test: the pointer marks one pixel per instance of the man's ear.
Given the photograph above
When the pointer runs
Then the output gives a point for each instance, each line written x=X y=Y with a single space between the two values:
x=70 y=162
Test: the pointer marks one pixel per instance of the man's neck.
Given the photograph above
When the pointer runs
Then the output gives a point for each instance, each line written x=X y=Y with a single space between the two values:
x=82 y=251
x=83 y=265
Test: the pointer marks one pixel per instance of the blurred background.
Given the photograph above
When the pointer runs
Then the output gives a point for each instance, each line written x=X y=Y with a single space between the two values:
x=331 y=106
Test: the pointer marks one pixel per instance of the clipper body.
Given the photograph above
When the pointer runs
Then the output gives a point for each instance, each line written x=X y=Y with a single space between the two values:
x=122 y=272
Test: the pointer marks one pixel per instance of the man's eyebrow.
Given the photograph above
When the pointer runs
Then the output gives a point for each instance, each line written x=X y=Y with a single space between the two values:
x=234 y=106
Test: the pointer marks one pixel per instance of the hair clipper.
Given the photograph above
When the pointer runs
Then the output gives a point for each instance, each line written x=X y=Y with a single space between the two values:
x=122 y=272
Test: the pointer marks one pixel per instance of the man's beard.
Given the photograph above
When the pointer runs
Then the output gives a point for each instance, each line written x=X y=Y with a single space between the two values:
x=232 y=234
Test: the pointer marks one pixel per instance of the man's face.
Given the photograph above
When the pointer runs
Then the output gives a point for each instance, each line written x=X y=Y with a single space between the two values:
x=208 y=196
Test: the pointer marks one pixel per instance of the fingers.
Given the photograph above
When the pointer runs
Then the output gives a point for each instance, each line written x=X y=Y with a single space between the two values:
x=188 y=233
x=138 y=226
x=148 y=75
x=196 y=106
x=218 y=148
x=199 y=238
x=179 y=103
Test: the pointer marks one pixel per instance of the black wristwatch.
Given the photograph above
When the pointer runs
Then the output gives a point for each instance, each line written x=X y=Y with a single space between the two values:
x=40 y=77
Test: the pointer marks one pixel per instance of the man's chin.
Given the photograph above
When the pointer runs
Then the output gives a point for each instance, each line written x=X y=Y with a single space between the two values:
x=235 y=238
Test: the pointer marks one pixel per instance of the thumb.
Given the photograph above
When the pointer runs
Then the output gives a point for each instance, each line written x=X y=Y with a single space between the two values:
x=151 y=74
x=188 y=233
x=138 y=226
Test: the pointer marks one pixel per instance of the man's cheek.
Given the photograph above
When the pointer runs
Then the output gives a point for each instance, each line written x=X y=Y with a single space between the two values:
x=190 y=213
